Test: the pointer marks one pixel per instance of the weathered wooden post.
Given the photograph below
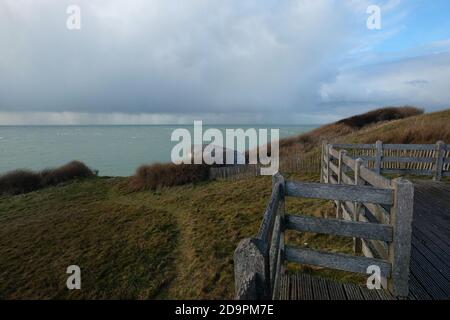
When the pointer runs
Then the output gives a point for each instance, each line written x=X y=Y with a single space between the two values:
x=440 y=154
x=327 y=149
x=276 y=264
x=357 y=242
x=340 y=171
x=250 y=272
x=401 y=216
x=378 y=156
x=322 y=162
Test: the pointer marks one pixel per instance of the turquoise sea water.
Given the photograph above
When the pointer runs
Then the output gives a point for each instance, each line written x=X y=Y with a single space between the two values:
x=113 y=150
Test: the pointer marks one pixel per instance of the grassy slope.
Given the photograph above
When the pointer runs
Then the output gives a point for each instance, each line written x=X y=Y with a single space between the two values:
x=174 y=243
x=426 y=128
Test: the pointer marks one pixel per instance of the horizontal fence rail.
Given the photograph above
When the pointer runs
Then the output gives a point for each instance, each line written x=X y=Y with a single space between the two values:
x=337 y=261
x=339 y=192
x=372 y=209
x=361 y=166
x=338 y=227
x=288 y=164
x=414 y=159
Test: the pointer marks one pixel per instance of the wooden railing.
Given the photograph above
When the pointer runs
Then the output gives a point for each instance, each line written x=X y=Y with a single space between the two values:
x=234 y=172
x=259 y=261
x=413 y=159
x=293 y=163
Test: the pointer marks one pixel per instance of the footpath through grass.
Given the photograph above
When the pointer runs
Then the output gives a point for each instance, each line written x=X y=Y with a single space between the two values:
x=174 y=243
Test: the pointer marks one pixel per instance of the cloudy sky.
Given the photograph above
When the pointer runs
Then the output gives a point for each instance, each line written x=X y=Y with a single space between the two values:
x=233 y=61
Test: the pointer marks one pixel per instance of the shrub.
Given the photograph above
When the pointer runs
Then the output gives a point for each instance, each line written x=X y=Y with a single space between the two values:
x=166 y=175
x=383 y=114
x=23 y=181
x=74 y=169
x=19 y=181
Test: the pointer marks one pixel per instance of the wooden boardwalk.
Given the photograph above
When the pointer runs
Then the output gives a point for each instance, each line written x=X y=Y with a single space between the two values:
x=430 y=257
x=302 y=286
x=400 y=226
x=430 y=251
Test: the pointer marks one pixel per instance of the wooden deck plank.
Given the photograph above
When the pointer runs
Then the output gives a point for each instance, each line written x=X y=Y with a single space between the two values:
x=369 y=294
x=431 y=242
x=302 y=286
x=430 y=256
x=336 y=291
x=305 y=287
x=430 y=253
x=430 y=268
x=433 y=253
x=384 y=295
x=427 y=281
x=320 y=290
x=353 y=292
x=416 y=291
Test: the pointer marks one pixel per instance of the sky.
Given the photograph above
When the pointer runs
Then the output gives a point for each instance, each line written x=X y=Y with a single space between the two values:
x=234 y=61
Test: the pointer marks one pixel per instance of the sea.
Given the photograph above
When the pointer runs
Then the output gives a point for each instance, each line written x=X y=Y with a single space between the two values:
x=115 y=150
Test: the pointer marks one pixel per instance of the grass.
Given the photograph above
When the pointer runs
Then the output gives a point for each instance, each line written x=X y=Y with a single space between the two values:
x=427 y=128
x=172 y=242
x=124 y=250
x=407 y=126
x=338 y=131
x=175 y=243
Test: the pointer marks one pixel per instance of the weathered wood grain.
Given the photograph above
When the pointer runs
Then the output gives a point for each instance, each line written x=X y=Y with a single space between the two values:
x=378 y=156
x=408 y=146
x=408 y=159
x=339 y=227
x=249 y=271
x=337 y=261
x=339 y=192
x=440 y=155
x=380 y=214
x=334 y=168
x=266 y=228
x=353 y=146
x=408 y=171
x=400 y=248
x=302 y=286
x=374 y=179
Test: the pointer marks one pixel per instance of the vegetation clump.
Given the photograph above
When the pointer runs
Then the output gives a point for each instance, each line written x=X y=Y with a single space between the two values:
x=23 y=181
x=151 y=177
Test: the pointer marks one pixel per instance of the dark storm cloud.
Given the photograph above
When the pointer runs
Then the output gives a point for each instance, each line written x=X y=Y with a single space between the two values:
x=168 y=56
x=160 y=60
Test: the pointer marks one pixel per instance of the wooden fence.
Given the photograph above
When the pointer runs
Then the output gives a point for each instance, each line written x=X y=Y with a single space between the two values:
x=293 y=163
x=235 y=172
x=259 y=261
x=413 y=159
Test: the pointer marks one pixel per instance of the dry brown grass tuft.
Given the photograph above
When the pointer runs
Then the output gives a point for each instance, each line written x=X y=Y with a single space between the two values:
x=74 y=169
x=23 y=181
x=159 y=175
x=332 y=132
x=19 y=181
x=379 y=115
x=429 y=128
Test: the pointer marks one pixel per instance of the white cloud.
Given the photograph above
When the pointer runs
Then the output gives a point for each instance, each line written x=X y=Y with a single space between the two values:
x=419 y=80
x=225 y=61
x=171 y=56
